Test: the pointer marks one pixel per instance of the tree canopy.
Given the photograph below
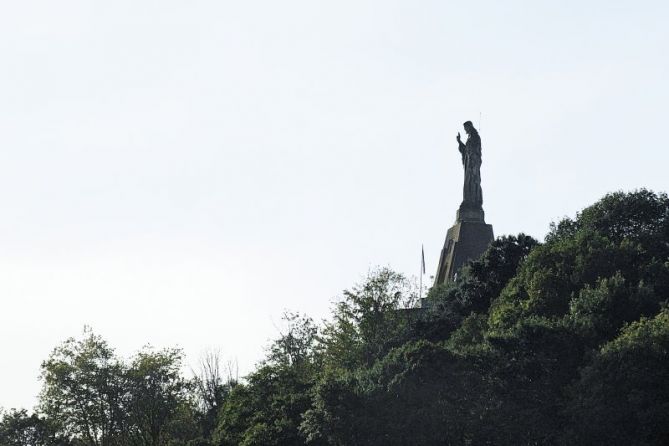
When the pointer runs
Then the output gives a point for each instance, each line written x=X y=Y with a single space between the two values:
x=555 y=343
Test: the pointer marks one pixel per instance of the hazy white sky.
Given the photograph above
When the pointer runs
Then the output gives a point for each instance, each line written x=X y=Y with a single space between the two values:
x=180 y=172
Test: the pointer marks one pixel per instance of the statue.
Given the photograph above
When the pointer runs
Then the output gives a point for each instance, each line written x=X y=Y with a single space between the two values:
x=471 y=161
x=470 y=236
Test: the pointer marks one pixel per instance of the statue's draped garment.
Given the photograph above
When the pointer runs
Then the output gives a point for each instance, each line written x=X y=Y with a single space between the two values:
x=471 y=160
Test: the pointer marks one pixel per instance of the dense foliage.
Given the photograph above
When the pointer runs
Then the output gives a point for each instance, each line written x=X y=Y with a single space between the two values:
x=560 y=343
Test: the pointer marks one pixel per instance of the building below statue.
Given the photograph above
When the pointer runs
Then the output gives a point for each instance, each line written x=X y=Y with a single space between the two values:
x=466 y=240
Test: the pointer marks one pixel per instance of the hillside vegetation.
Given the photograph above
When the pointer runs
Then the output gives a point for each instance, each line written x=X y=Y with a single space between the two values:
x=556 y=343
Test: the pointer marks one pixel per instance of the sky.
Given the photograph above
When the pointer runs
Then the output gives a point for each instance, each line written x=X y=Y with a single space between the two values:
x=180 y=173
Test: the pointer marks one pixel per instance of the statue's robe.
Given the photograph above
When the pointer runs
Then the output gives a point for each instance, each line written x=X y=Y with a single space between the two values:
x=471 y=160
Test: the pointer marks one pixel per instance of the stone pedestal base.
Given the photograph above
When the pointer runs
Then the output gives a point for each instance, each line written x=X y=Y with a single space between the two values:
x=466 y=240
x=466 y=214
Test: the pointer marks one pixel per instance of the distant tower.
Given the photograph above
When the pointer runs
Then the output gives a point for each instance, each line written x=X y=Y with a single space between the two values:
x=470 y=236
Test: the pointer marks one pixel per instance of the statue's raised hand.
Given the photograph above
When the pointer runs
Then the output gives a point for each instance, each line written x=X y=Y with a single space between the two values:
x=458 y=137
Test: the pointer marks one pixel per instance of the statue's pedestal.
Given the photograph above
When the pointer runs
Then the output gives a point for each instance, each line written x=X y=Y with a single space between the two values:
x=466 y=240
x=473 y=215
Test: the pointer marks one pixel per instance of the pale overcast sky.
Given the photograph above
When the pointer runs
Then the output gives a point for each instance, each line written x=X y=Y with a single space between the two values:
x=180 y=172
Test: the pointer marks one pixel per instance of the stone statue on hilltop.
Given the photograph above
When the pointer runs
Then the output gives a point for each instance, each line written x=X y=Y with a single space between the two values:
x=470 y=236
x=472 y=201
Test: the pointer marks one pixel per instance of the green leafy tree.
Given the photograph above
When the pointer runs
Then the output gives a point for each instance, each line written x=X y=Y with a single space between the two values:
x=159 y=406
x=17 y=428
x=478 y=284
x=268 y=408
x=622 y=235
x=96 y=399
x=367 y=321
x=419 y=393
x=622 y=396
x=83 y=391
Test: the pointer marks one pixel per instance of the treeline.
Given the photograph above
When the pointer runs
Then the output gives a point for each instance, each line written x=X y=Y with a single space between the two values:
x=557 y=343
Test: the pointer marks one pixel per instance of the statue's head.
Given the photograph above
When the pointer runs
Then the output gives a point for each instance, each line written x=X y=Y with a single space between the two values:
x=469 y=127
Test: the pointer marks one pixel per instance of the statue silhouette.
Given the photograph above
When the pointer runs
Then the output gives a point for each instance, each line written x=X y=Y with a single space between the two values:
x=471 y=161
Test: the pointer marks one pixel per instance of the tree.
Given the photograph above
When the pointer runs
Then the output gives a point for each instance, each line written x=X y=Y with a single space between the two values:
x=17 y=428
x=622 y=235
x=368 y=321
x=211 y=390
x=294 y=346
x=622 y=396
x=419 y=393
x=267 y=410
x=83 y=391
x=157 y=397
x=479 y=283
x=95 y=398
